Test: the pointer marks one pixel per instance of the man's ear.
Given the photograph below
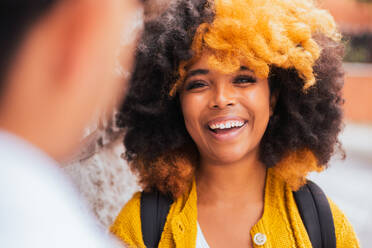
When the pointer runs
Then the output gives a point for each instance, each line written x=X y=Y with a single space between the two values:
x=69 y=41
x=77 y=37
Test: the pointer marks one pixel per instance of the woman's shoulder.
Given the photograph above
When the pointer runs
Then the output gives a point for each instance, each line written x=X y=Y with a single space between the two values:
x=127 y=225
x=345 y=234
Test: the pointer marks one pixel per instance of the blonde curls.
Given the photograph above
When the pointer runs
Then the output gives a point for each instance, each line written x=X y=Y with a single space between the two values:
x=260 y=34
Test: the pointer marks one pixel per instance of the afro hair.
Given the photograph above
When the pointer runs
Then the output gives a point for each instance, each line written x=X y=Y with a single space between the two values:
x=292 y=43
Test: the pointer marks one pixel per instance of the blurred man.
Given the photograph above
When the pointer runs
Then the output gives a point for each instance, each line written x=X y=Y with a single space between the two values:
x=57 y=60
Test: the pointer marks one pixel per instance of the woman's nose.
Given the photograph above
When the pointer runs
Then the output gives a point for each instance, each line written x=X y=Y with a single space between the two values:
x=222 y=96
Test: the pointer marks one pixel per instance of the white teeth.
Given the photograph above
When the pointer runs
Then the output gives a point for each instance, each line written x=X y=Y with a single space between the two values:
x=228 y=124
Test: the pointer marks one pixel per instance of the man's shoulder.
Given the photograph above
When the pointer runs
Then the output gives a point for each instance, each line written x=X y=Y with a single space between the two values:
x=17 y=153
x=40 y=207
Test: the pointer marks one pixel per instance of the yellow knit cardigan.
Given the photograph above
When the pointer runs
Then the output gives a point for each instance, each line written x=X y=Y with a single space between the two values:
x=280 y=222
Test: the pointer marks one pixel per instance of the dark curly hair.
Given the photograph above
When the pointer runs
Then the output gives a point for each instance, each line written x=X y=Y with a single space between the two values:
x=158 y=147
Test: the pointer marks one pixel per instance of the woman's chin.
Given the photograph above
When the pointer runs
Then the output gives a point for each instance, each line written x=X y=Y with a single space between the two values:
x=231 y=154
x=230 y=157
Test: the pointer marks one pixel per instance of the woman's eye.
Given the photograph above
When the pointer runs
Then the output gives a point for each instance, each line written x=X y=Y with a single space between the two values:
x=195 y=85
x=244 y=80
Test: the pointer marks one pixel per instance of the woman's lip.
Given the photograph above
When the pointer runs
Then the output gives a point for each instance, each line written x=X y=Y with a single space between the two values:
x=224 y=119
x=227 y=134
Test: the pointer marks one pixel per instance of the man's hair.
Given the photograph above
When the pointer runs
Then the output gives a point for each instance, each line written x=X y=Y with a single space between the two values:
x=16 y=16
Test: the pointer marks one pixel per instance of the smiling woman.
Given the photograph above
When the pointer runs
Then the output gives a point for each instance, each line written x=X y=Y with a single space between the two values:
x=232 y=104
x=226 y=115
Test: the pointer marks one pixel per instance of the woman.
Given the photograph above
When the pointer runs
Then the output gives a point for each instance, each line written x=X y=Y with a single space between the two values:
x=232 y=104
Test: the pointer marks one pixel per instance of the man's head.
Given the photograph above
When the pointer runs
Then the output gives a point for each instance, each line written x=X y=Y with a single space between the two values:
x=57 y=66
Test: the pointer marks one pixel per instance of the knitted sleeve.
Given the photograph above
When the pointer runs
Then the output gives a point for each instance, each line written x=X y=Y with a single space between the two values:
x=127 y=226
x=345 y=234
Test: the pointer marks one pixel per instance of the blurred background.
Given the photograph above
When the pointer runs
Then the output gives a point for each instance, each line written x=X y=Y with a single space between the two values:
x=105 y=181
x=349 y=182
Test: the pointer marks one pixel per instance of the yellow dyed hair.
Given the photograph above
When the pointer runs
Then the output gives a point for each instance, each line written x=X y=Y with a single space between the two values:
x=261 y=33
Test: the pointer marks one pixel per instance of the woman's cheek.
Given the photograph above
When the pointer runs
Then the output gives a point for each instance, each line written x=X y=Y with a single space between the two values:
x=191 y=109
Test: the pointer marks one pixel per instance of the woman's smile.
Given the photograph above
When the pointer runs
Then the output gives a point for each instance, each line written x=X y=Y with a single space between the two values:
x=226 y=128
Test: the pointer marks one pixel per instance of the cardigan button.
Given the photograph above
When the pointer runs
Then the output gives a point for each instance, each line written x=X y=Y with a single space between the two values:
x=181 y=227
x=259 y=239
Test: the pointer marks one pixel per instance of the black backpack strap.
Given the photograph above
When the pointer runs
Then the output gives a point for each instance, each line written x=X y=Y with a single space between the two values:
x=154 y=211
x=316 y=215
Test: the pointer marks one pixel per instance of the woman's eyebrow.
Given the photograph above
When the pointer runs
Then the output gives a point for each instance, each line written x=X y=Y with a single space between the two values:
x=244 y=68
x=196 y=72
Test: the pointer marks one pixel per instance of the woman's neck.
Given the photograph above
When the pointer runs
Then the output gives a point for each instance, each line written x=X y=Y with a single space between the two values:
x=241 y=182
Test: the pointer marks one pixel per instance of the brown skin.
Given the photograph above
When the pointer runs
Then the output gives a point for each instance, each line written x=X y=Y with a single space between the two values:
x=230 y=179
x=63 y=73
